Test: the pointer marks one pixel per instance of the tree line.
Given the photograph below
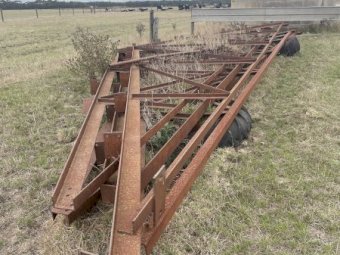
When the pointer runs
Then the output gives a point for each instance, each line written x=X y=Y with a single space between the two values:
x=53 y=4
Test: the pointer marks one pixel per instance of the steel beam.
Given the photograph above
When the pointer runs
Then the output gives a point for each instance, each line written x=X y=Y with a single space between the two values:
x=182 y=79
x=122 y=139
x=135 y=61
x=128 y=193
x=183 y=184
x=73 y=176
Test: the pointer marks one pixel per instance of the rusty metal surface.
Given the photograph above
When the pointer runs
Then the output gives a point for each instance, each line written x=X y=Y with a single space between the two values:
x=183 y=184
x=94 y=185
x=201 y=96
x=107 y=192
x=74 y=173
x=160 y=124
x=188 y=81
x=128 y=193
x=146 y=191
x=135 y=61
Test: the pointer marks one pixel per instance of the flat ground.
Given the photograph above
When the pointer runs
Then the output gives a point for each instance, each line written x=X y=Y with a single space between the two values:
x=277 y=194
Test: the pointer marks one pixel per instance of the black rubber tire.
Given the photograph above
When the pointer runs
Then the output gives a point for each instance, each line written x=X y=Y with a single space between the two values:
x=291 y=46
x=238 y=131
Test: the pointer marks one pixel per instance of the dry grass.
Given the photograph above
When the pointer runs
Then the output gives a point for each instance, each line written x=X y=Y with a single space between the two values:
x=40 y=102
x=278 y=194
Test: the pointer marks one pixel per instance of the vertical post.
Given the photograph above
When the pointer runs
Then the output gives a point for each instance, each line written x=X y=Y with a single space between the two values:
x=94 y=9
x=2 y=16
x=151 y=25
x=155 y=30
x=36 y=13
x=73 y=10
x=83 y=11
x=59 y=11
x=192 y=24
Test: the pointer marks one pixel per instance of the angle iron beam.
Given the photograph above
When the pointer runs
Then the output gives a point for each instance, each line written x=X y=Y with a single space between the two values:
x=180 y=159
x=216 y=61
x=183 y=184
x=193 y=96
x=159 y=159
x=73 y=176
x=148 y=201
x=90 y=188
x=135 y=61
x=128 y=193
x=196 y=84
x=166 y=84
x=160 y=124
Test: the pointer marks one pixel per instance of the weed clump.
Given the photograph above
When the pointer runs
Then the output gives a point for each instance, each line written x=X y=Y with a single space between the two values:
x=140 y=28
x=174 y=25
x=93 y=53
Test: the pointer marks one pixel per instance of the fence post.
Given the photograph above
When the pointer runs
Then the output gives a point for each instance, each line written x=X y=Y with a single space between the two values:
x=151 y=25
x=155 y=30
x=94 y=9
x=59 y=11
x=192 y=23
x=2 y=16
x=83 y=10
x=36 y=13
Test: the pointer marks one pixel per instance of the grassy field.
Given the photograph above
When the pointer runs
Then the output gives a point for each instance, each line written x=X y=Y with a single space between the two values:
x=277 y=194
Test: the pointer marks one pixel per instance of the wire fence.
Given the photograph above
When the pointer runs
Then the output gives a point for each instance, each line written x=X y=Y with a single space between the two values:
x=7 y=15
x=121 y=25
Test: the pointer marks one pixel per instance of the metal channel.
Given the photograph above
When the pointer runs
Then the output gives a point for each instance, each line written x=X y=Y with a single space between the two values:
x=73 y=176
x=183 y=184
x=128 y=192
x=124 y=138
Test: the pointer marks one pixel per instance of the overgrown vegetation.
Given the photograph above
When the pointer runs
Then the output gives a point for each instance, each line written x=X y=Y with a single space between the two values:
x=278 y=194
x=40 y=102
x=94 y=52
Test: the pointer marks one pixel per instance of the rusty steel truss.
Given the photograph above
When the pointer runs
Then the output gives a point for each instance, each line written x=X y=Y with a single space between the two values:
x=146 y=189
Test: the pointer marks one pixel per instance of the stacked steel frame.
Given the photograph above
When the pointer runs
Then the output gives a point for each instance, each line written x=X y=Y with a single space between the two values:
x=145 y=195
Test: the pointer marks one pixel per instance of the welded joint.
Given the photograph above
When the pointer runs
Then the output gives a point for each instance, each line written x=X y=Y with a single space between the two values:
x=112 y=144
x=118 y=100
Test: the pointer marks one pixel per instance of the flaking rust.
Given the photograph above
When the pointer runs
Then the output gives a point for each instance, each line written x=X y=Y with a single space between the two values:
x=145 y=195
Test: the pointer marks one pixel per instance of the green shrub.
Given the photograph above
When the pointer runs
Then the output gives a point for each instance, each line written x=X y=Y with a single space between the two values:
x=93 y=53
